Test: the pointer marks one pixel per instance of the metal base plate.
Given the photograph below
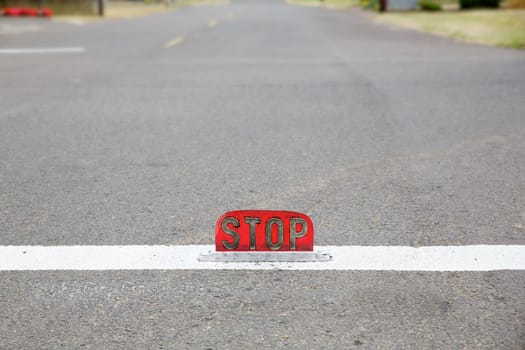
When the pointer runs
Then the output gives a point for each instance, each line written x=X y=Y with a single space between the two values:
x=212 y=256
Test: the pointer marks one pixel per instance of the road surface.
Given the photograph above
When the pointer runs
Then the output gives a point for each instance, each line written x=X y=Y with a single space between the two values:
x=144 y=131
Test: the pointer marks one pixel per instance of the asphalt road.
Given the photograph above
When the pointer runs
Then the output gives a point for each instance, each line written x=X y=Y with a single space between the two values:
x=384 y=136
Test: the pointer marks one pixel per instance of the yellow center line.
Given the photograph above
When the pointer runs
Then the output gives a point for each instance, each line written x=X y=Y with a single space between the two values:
x=174 y=42
x=212 y=23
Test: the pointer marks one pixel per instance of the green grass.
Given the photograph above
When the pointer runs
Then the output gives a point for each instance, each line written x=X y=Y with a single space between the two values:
x=504 y=28
x=325 y=3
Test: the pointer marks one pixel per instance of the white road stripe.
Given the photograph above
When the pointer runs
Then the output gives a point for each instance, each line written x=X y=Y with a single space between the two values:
x=185 y=257
x=42 y=50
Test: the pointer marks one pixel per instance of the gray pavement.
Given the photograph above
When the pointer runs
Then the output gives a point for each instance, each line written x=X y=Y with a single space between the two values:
x=384 y=136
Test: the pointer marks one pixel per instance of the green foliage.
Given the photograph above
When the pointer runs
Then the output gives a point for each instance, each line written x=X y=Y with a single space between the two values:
x=515 y=4
x=370 y=4
x=430 y=5
x=468 y=4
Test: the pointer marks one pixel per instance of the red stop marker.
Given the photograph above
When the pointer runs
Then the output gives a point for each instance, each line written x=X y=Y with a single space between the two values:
x=264 y=230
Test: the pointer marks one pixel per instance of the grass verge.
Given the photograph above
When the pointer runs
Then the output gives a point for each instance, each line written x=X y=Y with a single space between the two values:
x=118 y=10
x=505 y=28
x=131 y=9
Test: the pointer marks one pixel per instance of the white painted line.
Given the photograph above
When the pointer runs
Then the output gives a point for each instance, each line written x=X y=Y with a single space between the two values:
x=185 y=257
x=42 y=50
